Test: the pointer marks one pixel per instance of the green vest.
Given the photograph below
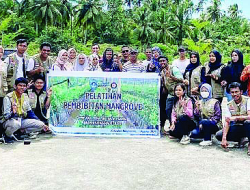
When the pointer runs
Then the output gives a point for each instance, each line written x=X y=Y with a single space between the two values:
x=179 y=109
x=240 y=109
x=3 y=78
x=218 y=91
x=169 y=82
x=12 y=69
x=33 y=101
x=194 y=80
x=207 y=110
x=26 y=105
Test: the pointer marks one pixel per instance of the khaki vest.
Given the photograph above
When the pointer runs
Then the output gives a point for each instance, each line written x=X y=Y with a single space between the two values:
x=195 y=79
x=33 y=101
x=240 y=109
x=3 y=82
x=169 y=82
x=218 y=91
x=12 y=69
x=207 y=110
x=180 y=109
x=26 y=105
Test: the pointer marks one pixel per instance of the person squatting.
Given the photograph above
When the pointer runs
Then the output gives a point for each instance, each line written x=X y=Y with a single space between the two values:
x=191 y=93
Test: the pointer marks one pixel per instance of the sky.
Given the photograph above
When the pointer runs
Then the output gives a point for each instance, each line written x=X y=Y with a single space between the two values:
x=244 y=6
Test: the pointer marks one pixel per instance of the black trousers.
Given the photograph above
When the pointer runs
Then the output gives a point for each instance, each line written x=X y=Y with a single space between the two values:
x=183 y=126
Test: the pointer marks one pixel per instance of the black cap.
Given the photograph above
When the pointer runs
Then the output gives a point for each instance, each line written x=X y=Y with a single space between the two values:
x=181 y=48
x=21 y=80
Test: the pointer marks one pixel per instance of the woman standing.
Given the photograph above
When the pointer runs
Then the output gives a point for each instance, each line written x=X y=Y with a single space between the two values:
x=82 y=63
x=232 y=72
x=209 y=113
x=182 y=115
x=213 y=75
x=3 y=79
x=94 y=63
x=61 y=61
x=72 y=58
x=194 y=75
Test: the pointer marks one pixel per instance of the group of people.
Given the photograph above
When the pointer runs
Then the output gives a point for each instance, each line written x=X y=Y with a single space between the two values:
x=190 y=95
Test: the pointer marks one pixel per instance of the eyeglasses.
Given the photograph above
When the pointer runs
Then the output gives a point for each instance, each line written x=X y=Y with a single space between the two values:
x=133 y=53
x=125 y=51
x=163 y=60
x=39 y=82
x=149 y=52
x=81 y=58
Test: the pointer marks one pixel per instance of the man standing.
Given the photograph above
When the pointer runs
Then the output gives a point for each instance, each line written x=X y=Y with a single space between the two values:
x=125 y=54
x=17 y=63
x=170 y=76
x=133 y=65
x=237 y=119
x=18 y=114
x=182 y=62
x=149 y=60
x=40 y=63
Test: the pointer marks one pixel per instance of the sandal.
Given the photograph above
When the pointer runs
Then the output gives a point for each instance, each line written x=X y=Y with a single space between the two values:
x=248 y=153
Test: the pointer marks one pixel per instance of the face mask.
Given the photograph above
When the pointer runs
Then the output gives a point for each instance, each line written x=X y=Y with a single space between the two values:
x=204 y=94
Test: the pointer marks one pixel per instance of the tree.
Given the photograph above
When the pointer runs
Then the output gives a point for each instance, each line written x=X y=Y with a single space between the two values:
x=88 y=15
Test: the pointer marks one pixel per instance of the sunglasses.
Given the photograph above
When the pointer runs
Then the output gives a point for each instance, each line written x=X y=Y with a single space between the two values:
x=125 y=51
x=133 y=53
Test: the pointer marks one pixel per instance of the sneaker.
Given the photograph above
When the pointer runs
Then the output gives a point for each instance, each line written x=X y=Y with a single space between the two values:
x=205 y=143
x=33 y=135
x=185 y=140
x=8 y=140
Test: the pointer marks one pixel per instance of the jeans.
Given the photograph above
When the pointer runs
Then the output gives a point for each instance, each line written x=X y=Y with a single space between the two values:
x=169 y=107
x=236 y=132
x=208 y=128
x=183 y=126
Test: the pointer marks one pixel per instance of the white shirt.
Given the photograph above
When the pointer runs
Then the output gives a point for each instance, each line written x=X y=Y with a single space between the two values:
x=146 y=62
x=181 y=64
x=228 y=113
x=31 y=64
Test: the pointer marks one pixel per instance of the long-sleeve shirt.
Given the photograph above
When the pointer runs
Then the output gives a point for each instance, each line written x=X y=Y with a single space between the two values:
x=245 y=76
x=217 y=113
x=188 y=110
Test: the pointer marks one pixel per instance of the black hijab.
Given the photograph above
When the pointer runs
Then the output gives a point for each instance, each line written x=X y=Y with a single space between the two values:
x=236 y=67
x=192 y=66
x=217 y=64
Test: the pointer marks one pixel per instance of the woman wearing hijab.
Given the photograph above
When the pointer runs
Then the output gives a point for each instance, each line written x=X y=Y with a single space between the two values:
x=213 y=74
x=182 y=115
x=232 y=72
x=82 y=63
x=94 y=63
x=194 y=75
x=155 y=66
x=72 y=58
x=61 y=61
x=209 y=113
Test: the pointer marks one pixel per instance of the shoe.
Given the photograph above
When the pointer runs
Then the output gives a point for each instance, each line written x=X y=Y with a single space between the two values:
x=185 y=140
x=33 y=135
x=8 y=140
x=205 y=143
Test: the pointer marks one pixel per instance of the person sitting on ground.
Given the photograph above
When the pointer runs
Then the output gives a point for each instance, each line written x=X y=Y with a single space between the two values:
x=61 y=61
x=237 y=118
x=94 y=63
x=133 y=65
x=182 y=115
x=39 y=99
x=82 y=63
x=208 y=112
x=18 y=113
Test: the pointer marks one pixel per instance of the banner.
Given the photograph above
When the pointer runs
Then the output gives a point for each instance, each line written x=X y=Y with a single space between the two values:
x=104 y=104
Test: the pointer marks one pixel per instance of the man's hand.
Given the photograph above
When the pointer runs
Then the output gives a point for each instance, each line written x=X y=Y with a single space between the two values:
x=186 y=82
x=223 y=83
x=198 y=105
x=40 y=69
x=49 y=92
x=46 y=128
x=194 y=91
x=14 y=108
x=224 y=143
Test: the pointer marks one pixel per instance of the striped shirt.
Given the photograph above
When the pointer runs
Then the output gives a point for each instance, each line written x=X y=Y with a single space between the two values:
x=133 y=67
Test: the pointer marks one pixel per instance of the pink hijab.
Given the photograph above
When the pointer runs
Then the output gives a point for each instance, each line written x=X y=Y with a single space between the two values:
x=59 y=59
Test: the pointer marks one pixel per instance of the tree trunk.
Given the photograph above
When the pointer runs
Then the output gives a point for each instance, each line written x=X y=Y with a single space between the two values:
x=85 y=38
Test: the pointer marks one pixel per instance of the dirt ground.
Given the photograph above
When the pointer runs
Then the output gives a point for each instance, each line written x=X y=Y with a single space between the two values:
x=120 y=163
